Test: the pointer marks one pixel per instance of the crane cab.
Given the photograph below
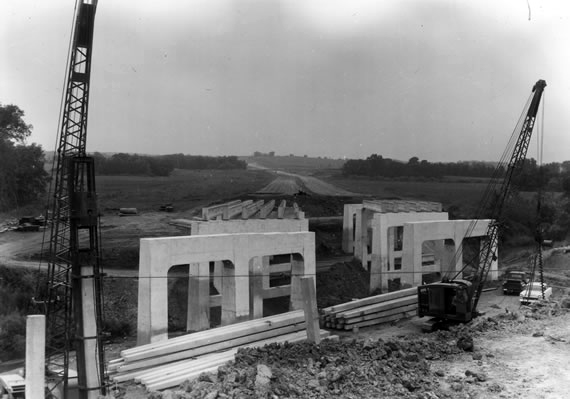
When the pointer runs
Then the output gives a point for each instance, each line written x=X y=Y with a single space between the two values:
x=451 y=300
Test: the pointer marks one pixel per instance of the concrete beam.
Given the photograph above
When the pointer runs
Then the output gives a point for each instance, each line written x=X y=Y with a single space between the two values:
x=214 y=211
x=157 y=255
x=266 y=209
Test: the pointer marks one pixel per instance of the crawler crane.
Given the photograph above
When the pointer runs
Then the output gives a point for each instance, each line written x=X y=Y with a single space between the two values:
x=73 y=293
x=457 y=299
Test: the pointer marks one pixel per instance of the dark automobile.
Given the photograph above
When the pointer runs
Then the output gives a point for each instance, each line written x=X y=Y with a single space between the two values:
x=514 y=282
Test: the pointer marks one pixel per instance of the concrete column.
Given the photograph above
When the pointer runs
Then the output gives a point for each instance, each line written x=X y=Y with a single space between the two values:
x=92 y=378
x=377 y=268
x=411 y=257
x=152 y=321
x=358 y=235
x=347 y=229
x=256 y=280
x=265 y=271
x=35 y=356
x=218 y=271
x=349 y=226
x=439 y=255
x=198 y=312
x=228 y=294
x=458 y=258
x=235 y=288
x=297 y=271
x=281 y=209
x=310 y=308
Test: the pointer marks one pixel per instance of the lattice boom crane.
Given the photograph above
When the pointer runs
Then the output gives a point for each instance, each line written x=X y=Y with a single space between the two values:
x=73 y=294
x=457 y=300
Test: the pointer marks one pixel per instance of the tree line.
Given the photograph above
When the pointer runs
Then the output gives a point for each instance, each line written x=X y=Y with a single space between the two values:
x=162 y=165
x=23 y=178
x=554 y=176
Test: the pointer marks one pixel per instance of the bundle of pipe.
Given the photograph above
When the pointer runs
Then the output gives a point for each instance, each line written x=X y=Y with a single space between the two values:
x=373 y=310
x=167 y=363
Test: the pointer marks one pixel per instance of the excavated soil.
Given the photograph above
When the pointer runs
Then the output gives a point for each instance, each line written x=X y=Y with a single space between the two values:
x=509 y=355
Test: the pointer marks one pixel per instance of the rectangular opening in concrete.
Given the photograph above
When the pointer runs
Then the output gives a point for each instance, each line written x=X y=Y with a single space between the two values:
x=470 y=256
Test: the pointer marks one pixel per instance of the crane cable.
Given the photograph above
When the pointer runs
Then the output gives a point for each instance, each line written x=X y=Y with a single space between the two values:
x=537 y=257
x=55 y=154
x=487 y=197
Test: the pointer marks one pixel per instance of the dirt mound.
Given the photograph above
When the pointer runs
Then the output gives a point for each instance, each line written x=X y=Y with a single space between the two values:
x=349 y=369
x=342 y=283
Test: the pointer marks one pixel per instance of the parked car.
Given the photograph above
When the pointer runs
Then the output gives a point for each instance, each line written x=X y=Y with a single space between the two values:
x=533 y=292
x=12 y=386
x=514 y=282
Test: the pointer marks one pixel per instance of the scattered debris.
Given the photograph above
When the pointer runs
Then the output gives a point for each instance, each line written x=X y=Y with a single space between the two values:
x=128 y=211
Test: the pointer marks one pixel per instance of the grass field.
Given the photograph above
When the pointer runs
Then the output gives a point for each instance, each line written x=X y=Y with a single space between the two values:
x=184 y=188
x=460 y=196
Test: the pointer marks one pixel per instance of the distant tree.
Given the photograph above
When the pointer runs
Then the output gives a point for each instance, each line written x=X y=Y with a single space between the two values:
x=414 y=161
x=12 y=125
x=22 y=175
x=566 y=184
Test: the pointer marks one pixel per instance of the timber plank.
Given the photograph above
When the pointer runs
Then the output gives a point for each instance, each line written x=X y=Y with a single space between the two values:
x=370 y=300
x=378 y=307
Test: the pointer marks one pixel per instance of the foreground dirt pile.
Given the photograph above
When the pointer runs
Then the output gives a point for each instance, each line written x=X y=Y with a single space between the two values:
x=502 y=356
x=350 y=369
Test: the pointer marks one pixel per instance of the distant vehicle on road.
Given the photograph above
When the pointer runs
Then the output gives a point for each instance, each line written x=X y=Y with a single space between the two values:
x=514 y=282
x=533 y=293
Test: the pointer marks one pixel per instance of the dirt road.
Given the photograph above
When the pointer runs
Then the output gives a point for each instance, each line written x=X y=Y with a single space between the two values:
x=292 y=183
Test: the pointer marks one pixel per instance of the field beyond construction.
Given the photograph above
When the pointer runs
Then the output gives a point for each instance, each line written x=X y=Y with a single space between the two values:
x=516 y=351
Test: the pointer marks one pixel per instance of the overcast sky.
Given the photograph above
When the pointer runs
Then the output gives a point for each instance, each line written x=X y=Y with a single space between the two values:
x=442 y=80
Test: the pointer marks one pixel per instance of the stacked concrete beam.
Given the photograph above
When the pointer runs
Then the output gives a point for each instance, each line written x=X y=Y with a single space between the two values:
x=251 y=209
x=215 y=211
x=266 y=209
x=396 y=206
x=373 y=310
x=167 y=363
x=248 y=209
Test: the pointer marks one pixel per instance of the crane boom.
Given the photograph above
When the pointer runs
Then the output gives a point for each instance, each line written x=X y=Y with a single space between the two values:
x=73 y=261
x=458 y=299
x=489 y=250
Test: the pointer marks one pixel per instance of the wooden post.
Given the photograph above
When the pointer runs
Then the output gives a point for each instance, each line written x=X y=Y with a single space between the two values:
x=310 y=307
x=35 y=356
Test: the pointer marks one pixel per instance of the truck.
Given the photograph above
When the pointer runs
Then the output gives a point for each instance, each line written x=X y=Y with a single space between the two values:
x=514 y=282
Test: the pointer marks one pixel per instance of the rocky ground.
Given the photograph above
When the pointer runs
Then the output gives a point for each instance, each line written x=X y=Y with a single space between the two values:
x=521 y=354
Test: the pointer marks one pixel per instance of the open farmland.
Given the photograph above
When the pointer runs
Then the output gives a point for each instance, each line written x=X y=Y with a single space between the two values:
x=186 y=189
x=460 y=196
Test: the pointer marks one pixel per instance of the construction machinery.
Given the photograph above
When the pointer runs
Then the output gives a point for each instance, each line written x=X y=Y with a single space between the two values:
x=72 y=302
x=456 y=299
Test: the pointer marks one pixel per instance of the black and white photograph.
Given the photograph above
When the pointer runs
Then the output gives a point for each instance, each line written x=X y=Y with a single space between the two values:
x=230 y=199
